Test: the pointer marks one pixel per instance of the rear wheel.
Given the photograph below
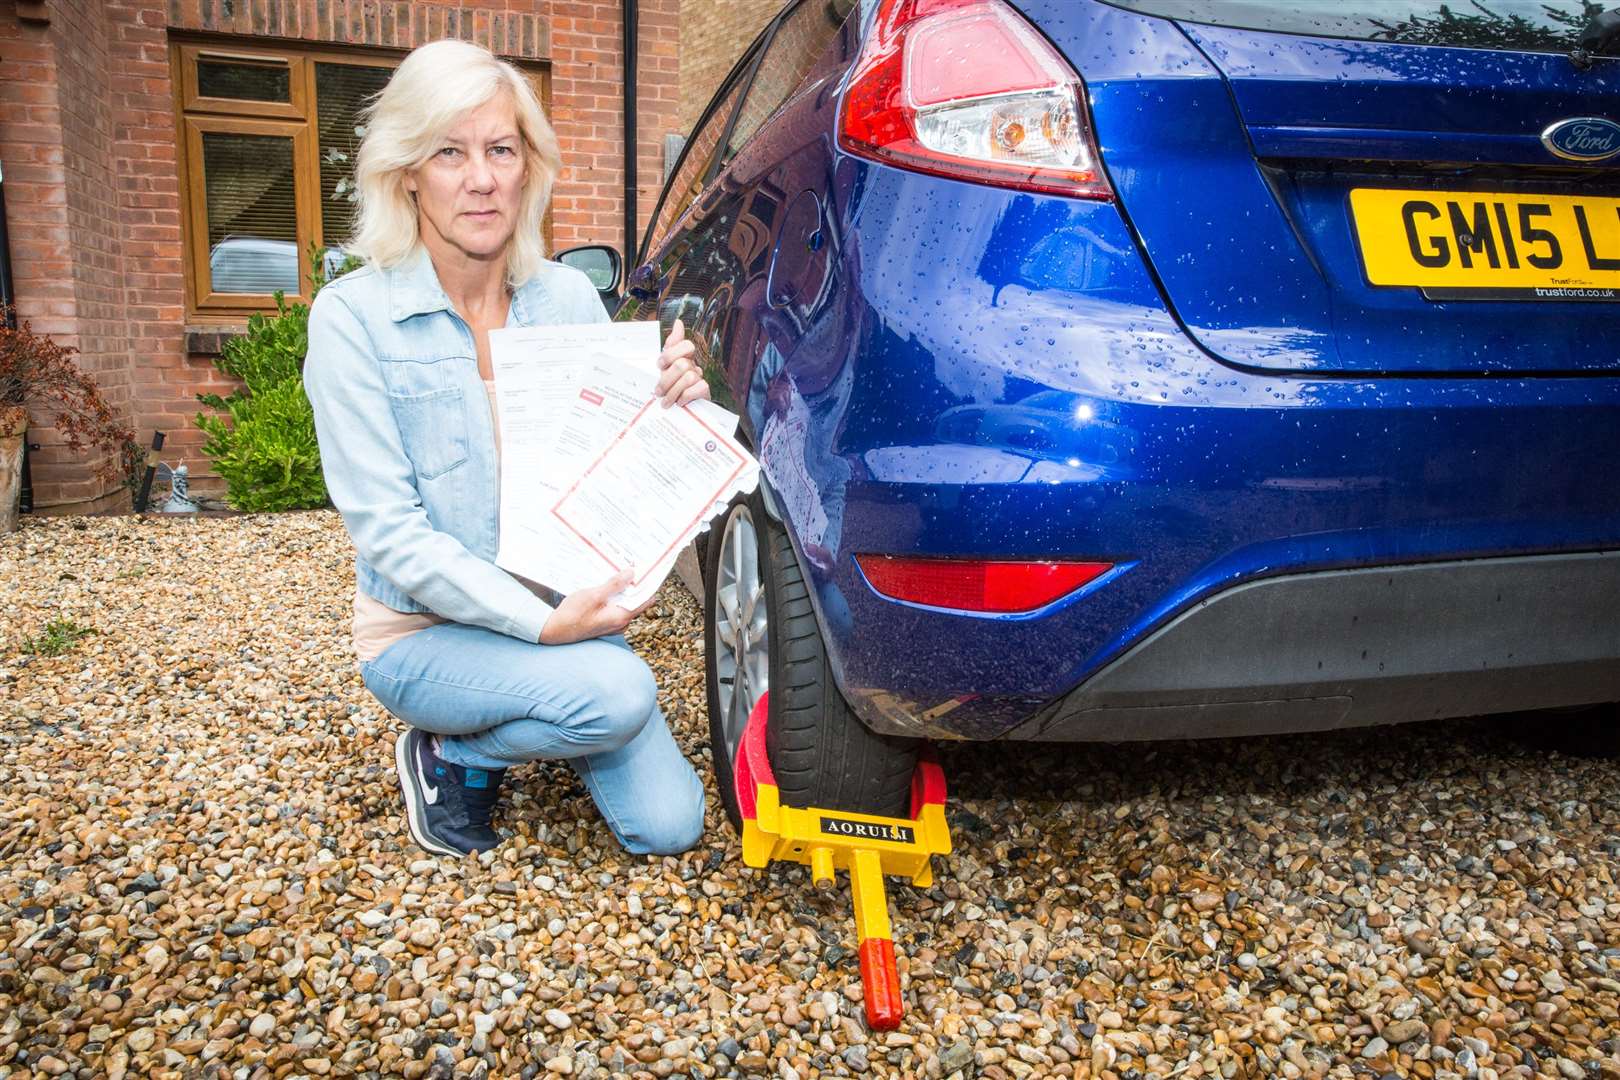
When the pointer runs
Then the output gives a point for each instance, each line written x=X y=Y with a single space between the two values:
x=760 y=635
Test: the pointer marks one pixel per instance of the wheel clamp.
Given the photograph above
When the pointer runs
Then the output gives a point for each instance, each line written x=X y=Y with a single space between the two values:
x=865 y=845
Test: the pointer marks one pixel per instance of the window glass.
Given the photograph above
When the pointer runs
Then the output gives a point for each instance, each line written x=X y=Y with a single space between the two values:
x=252 y=214
x=243 y=80
x=1533 y=25
x=341 y=92
x=684 y=186
x=794 y=48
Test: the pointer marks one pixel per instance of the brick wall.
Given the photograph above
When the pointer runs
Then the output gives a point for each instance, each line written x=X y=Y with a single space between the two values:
x=88 y=141
x=165 y=380
x=64 y=191
x=587 y=104
x=713 y=37
x=36 y=193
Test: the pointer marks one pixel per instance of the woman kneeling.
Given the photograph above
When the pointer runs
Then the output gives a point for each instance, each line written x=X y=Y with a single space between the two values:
x=487 y=670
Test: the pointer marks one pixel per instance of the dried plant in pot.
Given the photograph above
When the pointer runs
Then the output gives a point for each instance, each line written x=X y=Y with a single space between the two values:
x=34 y=370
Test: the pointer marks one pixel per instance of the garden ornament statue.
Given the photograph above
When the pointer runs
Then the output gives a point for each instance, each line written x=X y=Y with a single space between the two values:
x=180 y=502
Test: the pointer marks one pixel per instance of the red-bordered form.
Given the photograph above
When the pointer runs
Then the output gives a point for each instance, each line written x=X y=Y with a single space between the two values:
x=721 y=442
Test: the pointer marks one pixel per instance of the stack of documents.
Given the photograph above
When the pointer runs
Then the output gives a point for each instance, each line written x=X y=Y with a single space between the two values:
x=596 y=475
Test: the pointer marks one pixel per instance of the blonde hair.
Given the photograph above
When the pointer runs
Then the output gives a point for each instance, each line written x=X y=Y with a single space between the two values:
x=433 y=88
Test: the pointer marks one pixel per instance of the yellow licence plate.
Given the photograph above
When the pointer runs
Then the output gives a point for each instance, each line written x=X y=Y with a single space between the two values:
x=1487 y=245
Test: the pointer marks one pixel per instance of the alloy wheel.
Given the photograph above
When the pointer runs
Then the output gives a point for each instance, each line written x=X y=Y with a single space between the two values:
x=741 y=629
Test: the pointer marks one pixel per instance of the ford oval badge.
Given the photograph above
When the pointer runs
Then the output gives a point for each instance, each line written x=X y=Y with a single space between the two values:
x=1583 y=138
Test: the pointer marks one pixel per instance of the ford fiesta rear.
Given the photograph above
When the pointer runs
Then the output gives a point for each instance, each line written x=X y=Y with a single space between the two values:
x=1188 y=369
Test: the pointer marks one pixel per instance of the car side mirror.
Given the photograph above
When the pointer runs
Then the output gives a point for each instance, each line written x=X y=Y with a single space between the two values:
x=598 y=262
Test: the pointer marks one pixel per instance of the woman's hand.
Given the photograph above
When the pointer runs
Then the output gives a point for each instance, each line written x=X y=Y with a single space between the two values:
x=590 y=613
x=679 y=380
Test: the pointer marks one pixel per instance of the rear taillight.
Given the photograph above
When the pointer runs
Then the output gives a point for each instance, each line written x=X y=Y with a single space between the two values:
x=993 y=585
x=968 y=89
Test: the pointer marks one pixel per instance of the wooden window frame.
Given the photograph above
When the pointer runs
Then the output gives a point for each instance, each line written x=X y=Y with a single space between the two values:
x=196 y=115
x=300 y=94
x=304 y=209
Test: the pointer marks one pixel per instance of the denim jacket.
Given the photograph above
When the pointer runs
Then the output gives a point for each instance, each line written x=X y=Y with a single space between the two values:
x=407 y=443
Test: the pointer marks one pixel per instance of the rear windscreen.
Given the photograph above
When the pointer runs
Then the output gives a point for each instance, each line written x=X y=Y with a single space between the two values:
x=1526 y=25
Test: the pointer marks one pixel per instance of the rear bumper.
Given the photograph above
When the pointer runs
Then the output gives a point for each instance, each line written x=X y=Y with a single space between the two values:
x=1310 y=652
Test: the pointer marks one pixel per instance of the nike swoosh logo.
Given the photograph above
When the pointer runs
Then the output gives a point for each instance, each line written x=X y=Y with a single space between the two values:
x=430 y=790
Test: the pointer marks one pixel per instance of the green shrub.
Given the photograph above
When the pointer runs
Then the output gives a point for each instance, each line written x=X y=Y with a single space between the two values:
x=267 y=454
x=264 y=447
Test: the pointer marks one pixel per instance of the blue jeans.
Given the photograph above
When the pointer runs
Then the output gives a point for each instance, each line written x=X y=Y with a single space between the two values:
x=496 y=701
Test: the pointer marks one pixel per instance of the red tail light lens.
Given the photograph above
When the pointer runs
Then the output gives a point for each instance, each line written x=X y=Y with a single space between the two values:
x=968 y=89
x=1000 y=586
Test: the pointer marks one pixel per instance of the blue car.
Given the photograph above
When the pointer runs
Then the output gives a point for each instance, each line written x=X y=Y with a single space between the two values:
x=1147 y=369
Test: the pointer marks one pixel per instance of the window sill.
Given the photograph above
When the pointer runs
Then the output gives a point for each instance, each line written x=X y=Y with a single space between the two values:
x=210 y=340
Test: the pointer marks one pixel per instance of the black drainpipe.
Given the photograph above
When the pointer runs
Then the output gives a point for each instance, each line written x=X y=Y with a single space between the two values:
x=631 y=18
x=8 y=301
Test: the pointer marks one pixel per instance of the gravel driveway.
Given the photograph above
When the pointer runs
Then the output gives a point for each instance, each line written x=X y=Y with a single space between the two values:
x=203 y=872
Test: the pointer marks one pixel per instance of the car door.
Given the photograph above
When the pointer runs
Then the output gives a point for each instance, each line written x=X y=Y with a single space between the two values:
x=714 y=234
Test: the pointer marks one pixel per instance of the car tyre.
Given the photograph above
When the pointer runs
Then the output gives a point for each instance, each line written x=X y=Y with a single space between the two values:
x=760 y=633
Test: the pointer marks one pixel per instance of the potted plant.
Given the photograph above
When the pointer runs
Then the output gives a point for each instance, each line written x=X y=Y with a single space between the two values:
x=35 y=369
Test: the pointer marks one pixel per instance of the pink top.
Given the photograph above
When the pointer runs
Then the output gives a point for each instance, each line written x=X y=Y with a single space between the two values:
x=377 y=626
